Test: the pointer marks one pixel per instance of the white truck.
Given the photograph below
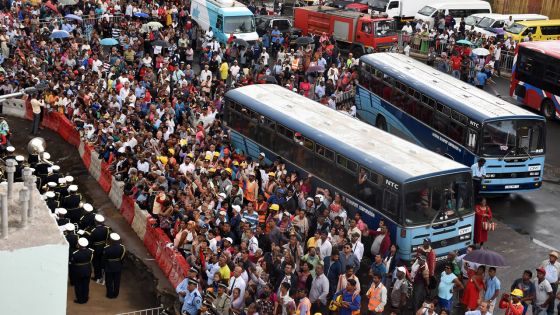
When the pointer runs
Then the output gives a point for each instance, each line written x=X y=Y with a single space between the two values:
x=399 y=9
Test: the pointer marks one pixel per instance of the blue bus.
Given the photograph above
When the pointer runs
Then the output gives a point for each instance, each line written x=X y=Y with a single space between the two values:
x=450 y=117
x=226 y=17
x=417 y=193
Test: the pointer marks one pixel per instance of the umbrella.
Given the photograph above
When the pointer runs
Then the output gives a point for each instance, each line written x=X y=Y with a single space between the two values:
x=305 y=40
x=315 y=69
x=240 y=42
x=161 y=43
x=109 y=42
x=485 y=257
x=481 y=52
x=73 y=17
x=464 y=42
x=58 y=34
x=67 y=2
x=154 y=25
x=51 y=6
x=141 y=15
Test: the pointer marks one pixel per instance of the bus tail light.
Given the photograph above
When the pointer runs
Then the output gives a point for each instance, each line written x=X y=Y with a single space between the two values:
x=403 y=233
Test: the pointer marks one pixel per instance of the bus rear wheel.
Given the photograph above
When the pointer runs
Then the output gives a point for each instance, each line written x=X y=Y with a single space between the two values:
x=548 y=110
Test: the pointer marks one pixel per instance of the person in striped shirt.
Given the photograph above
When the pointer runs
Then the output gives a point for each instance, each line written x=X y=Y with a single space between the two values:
x=251 y=216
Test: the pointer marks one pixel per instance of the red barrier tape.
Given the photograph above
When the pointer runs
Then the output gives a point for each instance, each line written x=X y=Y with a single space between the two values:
x=105 y=180
x=179 y=270
x=86 y=157
x=28 y=110
x=51 y=121
x=167 y=257
x=127 y=209
x=150 y=238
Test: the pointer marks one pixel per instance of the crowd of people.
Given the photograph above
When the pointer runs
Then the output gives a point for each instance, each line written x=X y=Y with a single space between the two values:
x=259 y=238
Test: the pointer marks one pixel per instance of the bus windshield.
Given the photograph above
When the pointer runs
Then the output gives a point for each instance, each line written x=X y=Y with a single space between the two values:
x=515 y=28
x=445 y=197
x=239 y=24
x=506 y=138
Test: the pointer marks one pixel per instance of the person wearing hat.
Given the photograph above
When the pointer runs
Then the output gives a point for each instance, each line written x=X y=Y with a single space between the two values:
x=399 y=293
x=98 y=238
x=52 y=203
x=192 y=300
x=543 y=295
x=87 y=220
x=61 y=189
x=222 y=302
x=61 y=216
x=251 y=188
x=71 y=238
x=72 y=203
x=54 y=174
x=552 y=268
x=113 y=256
x=42 y=167
x=10 y=153
x=512 y=302
x=80 y=270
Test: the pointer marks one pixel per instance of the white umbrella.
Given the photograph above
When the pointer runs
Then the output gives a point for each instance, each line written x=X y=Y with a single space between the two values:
x=481 y=52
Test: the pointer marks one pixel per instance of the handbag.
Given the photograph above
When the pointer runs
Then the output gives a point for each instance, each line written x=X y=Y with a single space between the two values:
x=488 y=226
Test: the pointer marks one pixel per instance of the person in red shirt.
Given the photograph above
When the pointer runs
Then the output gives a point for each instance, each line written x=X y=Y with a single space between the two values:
x=456 y=65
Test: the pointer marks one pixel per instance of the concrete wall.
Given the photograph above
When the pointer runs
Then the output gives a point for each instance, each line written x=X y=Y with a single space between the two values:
x=33 y=280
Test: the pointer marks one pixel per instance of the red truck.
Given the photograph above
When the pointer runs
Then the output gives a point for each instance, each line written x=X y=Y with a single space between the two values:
x=354 y=32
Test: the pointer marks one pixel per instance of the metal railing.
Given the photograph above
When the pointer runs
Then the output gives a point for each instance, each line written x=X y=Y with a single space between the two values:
x=150 y=311
x=422 y=45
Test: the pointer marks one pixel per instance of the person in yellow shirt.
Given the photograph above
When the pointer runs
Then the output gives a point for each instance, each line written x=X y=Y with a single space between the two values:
x=224 y=271
x=224 y=70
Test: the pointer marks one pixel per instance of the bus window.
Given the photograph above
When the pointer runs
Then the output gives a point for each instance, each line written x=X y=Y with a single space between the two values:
x=266 y=132
x=367 y=189
x=284 y=143
x=456 y=131
x=220 y=22
x=471 y=139
x=391 y=202
x=440 y=123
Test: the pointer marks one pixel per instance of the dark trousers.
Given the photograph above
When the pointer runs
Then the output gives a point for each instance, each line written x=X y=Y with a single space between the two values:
x=81 y=288
x=112 y=283
x=477 y=183
x=550 y=308
x=97 y=262
x=36 y=121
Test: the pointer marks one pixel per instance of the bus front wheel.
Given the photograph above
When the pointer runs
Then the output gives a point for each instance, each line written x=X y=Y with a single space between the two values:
x=381 y=123
x=547 y=109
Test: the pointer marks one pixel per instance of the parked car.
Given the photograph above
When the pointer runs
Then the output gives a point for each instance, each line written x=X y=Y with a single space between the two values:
x=267 y=23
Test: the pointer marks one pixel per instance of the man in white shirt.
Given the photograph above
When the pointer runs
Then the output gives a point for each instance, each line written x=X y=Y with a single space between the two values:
x=143 y=165
x=319 y=291
x=234 y=70
x=332 y=102
x=481 y=310
x=236 y=281
x=357 y=246
x=205 y=73
x=552 y=268
x=543 y=293
x=324 y=245
x=478 y=174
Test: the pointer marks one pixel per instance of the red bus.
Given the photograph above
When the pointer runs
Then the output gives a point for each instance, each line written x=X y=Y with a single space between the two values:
x=535 y=79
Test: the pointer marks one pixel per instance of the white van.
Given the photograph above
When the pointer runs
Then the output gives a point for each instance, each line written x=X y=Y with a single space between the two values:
x=490 y=23
x=457 y=9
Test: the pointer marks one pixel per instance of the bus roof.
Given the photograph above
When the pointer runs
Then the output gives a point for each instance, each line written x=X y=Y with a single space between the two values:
x=547 y=47
x=373 y=148
x=461 y=96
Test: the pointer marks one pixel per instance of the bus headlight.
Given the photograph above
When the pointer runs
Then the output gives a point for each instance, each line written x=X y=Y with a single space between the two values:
x=534 y=173
x=490 y=175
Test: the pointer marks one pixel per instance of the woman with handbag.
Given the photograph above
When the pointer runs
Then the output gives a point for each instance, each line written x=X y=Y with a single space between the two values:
x=482 y=222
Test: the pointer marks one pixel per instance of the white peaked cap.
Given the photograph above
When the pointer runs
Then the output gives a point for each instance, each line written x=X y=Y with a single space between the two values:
x=87 y=207
x=115 y=236
x=99 y=218
x=83 y=242
x=69 y=227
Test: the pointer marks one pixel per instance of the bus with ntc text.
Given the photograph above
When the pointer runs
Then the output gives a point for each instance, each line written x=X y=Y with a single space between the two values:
x=455 y=119
x=535 y=78
x=416 y=192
